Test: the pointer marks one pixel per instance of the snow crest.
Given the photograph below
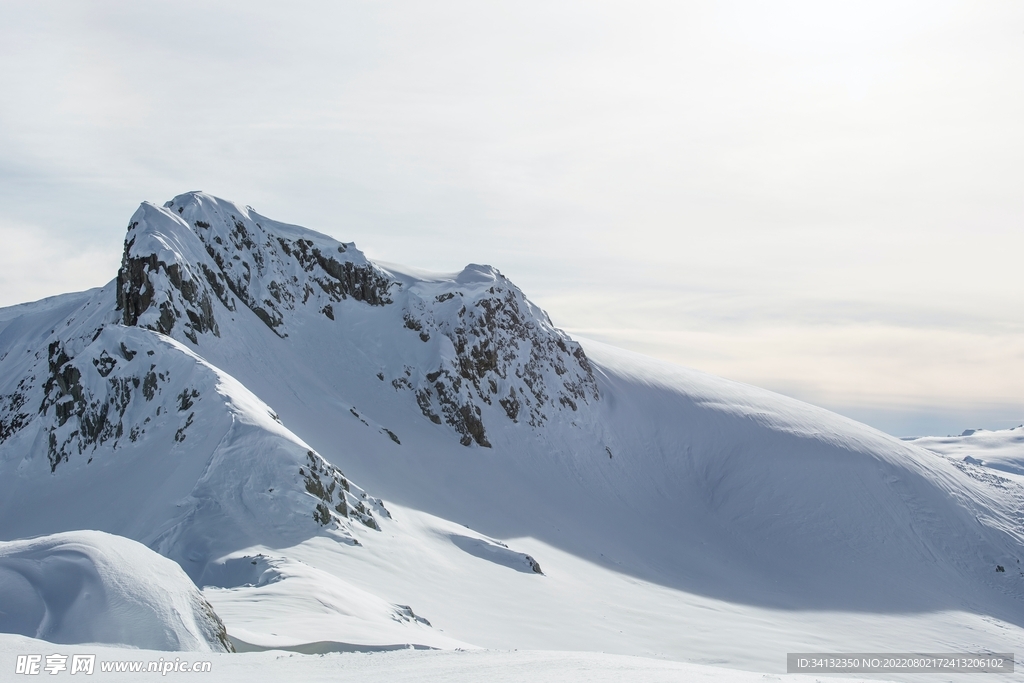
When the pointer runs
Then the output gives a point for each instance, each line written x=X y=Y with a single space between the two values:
x=94 y=587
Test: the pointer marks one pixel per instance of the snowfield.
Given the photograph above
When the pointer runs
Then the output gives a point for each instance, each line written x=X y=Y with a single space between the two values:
x=355 y=456
x=415 y=666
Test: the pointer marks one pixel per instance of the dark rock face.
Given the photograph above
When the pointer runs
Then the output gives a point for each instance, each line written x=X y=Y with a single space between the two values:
x=79 y=413
x=260 y=268
x=327 y=484
x=221 y=252
x=506 y=351
x=12 y=417
x=344 y=279
x=463 y=417
x=139 y=280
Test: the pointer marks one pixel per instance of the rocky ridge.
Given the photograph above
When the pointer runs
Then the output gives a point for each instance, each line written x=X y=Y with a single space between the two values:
x=190 y=264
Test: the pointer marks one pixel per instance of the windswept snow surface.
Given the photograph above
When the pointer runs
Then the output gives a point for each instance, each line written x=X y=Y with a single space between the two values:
x=671 y=513
x=412 y=666
x=93 y=587
x=308 y=610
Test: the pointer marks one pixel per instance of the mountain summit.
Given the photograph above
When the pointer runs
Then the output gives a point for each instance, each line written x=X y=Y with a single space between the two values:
x=199 y=260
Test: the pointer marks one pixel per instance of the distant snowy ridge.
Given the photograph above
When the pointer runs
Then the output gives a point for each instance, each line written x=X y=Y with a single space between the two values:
x=1001 y=449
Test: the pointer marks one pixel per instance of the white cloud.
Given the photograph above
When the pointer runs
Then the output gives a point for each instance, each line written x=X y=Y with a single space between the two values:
x=35 y=265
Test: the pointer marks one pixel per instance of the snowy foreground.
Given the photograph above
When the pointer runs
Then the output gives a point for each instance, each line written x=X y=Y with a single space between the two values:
x=348 y=457
x=414 y=666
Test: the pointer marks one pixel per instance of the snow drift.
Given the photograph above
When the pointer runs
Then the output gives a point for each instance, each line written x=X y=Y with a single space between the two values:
x=93 y=587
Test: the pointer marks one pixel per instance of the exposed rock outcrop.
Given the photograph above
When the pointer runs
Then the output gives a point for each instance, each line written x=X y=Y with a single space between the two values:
x=503 y=350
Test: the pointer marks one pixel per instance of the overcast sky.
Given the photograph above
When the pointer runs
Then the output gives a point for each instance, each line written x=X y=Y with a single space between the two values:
x=824 y=199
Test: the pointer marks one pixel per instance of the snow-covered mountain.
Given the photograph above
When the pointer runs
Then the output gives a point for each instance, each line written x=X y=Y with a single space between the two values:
x=519 y=489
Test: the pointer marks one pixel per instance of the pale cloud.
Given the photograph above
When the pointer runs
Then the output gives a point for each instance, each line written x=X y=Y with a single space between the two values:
x=36 y=264
x=873 y=360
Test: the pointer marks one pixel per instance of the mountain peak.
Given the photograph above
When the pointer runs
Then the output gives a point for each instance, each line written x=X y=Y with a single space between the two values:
x=180 y=258
x=200 y=264
x=475 y=273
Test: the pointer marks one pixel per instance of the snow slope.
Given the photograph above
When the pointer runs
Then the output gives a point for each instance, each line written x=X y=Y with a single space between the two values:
x=666 y=509
x=185 y=457
x=93 y=587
